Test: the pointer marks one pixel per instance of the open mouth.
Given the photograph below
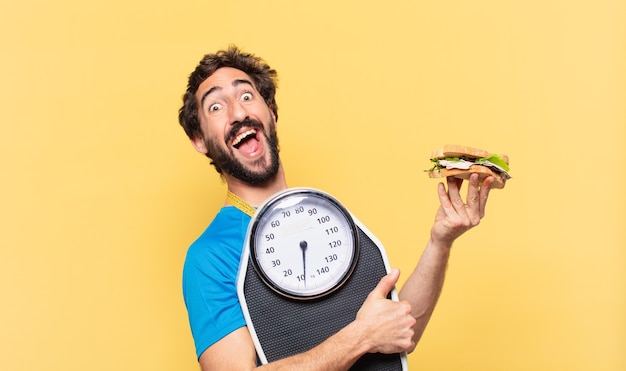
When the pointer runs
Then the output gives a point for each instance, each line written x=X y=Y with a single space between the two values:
x=244 y=137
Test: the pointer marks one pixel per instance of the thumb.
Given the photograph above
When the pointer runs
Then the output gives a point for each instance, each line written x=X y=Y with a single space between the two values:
x=386 y=284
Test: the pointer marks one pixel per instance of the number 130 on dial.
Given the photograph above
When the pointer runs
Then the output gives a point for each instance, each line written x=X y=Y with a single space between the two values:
x=303 y=243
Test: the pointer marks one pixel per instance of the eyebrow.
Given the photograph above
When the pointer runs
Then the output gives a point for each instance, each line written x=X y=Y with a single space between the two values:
x=235 y=83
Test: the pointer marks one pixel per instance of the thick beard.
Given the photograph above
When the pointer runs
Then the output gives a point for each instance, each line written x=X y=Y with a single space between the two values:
x=226 y=162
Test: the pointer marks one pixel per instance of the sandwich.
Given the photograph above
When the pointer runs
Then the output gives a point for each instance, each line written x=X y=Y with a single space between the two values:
x=461 y=161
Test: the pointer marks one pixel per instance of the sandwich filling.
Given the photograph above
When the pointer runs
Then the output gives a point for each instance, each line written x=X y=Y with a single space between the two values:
x=493 y=162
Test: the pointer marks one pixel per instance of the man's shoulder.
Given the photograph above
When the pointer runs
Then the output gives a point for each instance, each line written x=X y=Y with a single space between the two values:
x=226 y=231
x=227 y=222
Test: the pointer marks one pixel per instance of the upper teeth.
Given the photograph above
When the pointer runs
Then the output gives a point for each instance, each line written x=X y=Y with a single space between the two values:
x=241 y=136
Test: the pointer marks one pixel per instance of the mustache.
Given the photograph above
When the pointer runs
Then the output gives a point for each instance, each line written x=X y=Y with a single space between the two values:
x=250 y=123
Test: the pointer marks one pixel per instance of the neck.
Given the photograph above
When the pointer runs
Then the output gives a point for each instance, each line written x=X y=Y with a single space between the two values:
x=255 y=195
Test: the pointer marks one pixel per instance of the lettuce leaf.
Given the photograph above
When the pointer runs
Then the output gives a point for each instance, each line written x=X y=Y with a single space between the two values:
x=495 y=159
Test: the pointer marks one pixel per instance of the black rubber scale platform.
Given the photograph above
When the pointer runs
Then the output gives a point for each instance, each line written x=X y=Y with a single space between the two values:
x=284 y=327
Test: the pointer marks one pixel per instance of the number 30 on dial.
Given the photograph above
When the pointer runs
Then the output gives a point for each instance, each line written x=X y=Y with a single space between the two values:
x=303 y=243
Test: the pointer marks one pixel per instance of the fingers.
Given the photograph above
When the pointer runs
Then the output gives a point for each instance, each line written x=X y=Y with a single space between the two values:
x=457 y=215
x=484 y=194
x=386 y=284
x=477 y=194
x=451 y=201
x=474 y=209
x=454 y=217
x=454 y=192
x=444 y=199
x=387 y=325
x=473 y=199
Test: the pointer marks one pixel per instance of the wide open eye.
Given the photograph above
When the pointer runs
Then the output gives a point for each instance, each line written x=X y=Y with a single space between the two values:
x=246 y=96
x=215 y=107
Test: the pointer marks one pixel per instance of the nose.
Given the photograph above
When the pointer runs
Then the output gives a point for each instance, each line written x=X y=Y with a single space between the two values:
x=238 y=112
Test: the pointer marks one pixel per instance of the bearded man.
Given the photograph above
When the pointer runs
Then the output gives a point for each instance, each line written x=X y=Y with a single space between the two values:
x=230 y=115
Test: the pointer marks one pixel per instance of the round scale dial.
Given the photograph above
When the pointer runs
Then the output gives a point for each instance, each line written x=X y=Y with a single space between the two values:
x=303 y=243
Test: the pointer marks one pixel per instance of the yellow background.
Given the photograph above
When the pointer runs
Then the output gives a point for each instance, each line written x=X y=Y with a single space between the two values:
x=101 y=193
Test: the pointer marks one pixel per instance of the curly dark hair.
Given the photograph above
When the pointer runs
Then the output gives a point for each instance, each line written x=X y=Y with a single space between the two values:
x=263 y=76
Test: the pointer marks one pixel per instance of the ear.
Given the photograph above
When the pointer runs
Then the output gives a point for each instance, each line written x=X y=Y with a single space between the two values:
x=199 y=145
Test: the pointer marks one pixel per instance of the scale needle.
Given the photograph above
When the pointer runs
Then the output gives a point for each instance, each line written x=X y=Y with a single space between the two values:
x=303 y=246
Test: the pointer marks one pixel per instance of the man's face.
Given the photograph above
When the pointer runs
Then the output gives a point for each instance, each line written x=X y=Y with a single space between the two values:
x=239 y=128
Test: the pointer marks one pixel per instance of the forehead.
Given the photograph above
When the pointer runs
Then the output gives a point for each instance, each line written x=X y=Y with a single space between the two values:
x=223 y=78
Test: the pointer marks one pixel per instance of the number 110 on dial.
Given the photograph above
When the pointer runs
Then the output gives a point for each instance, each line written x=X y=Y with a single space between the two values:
x=303 y=243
